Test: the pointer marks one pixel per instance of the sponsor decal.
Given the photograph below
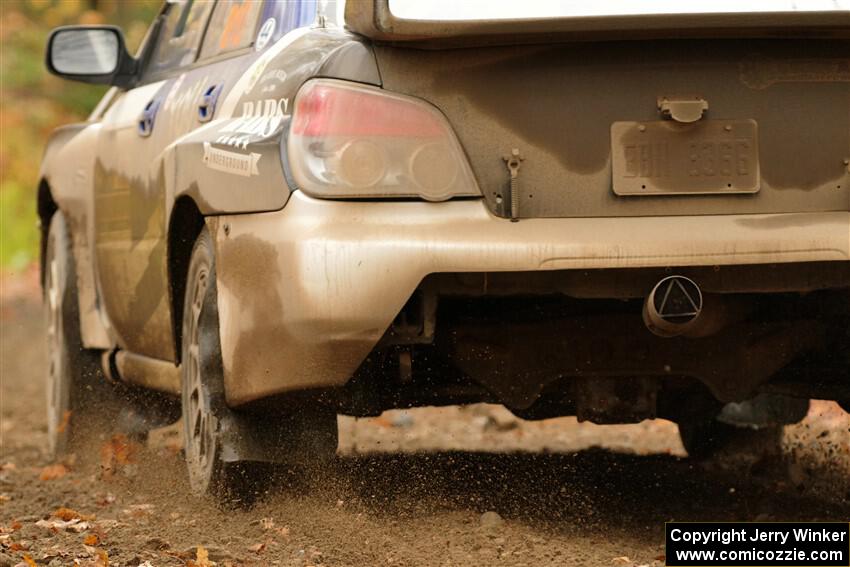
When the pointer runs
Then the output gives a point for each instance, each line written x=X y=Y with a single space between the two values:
x=247 y=81
x=256 y=72
x=260 y=119
x=231 y=162
x=175 y=88
x=265 y=34
x=272 y=80
x=181 y=104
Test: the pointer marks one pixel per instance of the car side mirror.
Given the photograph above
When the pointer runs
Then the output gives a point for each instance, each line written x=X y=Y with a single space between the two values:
x=91 y=54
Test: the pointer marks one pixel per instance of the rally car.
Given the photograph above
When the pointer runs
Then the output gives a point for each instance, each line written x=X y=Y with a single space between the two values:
x=286 y=210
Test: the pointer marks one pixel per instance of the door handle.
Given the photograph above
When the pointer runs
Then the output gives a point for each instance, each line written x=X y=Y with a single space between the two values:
x=206 y=109
x=147 y=118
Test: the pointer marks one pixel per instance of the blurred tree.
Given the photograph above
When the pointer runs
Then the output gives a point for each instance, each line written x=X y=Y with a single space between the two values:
x=33 y=103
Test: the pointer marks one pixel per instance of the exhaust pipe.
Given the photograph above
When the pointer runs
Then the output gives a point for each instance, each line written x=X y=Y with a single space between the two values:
x=673 y=307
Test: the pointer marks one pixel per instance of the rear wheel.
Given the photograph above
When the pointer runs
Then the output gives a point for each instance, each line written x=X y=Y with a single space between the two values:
x=202 y=399
x=227 y=451
x=80 y=401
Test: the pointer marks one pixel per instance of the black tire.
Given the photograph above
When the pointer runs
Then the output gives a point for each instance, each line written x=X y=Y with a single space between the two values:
x=202 y=387
x=707 y=439
x=211 y=429
x=80 y=400
x=845 y=405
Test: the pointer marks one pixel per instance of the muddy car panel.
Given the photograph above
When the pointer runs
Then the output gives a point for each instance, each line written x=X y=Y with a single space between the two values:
x=72 y=190
x=311 y=290
x=134 y=189
x=337 y=274
x=254 y=115
x=565 y=133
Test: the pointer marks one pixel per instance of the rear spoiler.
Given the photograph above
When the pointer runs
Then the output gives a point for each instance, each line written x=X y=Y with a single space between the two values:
x=373 y=19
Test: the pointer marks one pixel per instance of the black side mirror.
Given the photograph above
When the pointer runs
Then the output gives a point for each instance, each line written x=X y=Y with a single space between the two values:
x=91 y=54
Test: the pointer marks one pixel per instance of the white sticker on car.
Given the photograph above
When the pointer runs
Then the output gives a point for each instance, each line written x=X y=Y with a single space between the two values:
x=265 y=34
x=260 y=119
x=231 y=162
x=247 y=81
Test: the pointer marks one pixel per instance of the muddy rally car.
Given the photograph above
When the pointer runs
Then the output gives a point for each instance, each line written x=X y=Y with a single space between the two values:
x=287 y=210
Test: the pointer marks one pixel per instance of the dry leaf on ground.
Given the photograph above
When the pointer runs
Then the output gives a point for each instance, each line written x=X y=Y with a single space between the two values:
x=52 y=472
x=75 y=525
x=68 y=514
x=202 y=558
x=138 y=510
x=118 y=452
x=66 y=419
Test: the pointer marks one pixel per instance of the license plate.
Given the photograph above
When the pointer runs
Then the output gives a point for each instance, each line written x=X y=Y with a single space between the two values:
x=670 y=158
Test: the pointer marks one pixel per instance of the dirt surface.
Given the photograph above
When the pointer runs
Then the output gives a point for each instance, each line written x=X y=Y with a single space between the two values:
x=453 y=486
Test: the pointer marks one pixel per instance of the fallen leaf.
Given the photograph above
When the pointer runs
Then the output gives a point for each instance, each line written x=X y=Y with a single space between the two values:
x=106 y=525
x=75 y=525
x=67 y=515
x=138 y=510
x=202 y=557
x=118 y=452
x=257 y=547
x=382 y=421
x=105 y=499
x=15 y=546
x=622 y=560
x=28 y=560
x=91 y=539
x=66 y=419
x=15 y=526
x=52 y=472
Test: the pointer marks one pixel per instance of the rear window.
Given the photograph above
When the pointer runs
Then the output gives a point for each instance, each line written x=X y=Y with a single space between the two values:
x=513 y=10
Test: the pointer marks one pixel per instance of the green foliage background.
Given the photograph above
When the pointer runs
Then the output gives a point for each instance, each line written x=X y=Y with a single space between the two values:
x=33 y=103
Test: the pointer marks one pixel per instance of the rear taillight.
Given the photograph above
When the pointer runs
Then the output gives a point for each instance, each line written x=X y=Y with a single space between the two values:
x=348 y=140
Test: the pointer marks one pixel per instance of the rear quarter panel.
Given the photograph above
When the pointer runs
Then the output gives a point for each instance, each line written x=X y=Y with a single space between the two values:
x=233 y=164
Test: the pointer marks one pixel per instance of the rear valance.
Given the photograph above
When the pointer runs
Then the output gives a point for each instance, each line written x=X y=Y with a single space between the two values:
x=375 y=20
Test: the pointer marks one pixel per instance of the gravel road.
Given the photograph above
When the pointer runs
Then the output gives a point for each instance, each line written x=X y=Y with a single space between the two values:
x=453 y=486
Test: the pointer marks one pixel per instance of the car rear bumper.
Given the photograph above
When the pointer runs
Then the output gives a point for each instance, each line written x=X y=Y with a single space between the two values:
x=305 y=293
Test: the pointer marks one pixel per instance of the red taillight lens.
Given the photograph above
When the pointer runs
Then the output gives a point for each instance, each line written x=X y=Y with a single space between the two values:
x=327 y=110
x=348 y=140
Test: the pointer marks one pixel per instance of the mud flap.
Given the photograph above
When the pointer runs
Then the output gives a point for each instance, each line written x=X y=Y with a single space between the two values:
x=274 y=438
x=286 y=437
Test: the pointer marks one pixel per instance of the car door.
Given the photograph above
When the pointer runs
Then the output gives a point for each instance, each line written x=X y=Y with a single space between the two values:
x=129 y=204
